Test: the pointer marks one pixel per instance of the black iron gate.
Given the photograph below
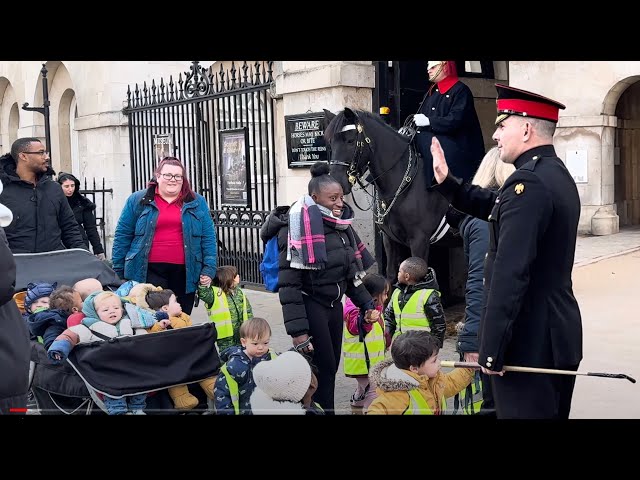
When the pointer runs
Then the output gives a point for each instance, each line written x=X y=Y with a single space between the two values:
x=93 y=194
x=189 y=116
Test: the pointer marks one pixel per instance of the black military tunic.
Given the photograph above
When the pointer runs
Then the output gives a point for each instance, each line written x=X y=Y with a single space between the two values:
x=453 y=119
x=531 y=316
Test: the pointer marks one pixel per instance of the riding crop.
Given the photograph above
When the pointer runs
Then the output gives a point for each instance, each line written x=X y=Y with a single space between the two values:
x=508 y=368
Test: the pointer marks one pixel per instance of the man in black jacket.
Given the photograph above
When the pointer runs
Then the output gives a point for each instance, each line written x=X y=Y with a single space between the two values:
x=531 y=317
x=42 y=218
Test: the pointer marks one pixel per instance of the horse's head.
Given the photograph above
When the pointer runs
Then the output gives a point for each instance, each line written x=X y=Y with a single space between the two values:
x=345 y=136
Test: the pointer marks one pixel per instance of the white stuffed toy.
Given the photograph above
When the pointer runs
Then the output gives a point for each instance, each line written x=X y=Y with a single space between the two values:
x=280 y=385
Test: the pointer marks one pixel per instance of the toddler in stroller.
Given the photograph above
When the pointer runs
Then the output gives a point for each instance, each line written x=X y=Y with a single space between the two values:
x=140 y=364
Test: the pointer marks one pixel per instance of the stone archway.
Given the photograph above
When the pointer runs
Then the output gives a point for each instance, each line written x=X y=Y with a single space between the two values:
x=9 y=115
x=627 y=160
x=61 y=95
x=14 y=124
x=65 y=113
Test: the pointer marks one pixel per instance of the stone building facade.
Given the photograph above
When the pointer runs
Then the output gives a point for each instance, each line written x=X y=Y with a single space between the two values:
x=598 y=135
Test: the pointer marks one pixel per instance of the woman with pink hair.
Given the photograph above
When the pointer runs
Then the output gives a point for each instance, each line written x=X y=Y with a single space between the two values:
x=165 y=235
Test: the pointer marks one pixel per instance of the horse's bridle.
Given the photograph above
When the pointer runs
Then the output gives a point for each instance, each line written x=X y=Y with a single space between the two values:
x=354 y=170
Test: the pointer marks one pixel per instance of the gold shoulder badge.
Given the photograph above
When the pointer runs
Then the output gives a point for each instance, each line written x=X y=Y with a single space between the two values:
x=519 y=188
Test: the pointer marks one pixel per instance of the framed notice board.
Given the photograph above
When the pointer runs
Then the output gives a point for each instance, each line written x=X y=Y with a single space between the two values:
x=305 y=139
x=234 y=167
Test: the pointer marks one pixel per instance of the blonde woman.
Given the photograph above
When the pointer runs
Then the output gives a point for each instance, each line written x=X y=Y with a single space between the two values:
x=492 y=173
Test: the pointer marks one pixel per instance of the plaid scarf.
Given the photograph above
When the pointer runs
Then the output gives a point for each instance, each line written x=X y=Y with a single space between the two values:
x=306 y=247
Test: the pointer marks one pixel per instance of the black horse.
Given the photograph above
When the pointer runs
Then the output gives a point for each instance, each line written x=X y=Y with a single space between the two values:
x=410 y=216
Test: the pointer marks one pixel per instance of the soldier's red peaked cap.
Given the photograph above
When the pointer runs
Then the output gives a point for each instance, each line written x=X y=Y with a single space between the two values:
x=513 y=101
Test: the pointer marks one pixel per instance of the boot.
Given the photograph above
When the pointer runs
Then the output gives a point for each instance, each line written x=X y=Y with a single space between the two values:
x=182 y=399
x=207 y=385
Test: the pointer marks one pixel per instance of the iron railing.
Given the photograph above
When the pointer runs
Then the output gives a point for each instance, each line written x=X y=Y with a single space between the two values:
x=189 y=115
x=94 y=194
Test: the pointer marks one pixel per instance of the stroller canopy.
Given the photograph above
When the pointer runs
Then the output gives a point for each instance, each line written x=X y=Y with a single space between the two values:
x=63 y=266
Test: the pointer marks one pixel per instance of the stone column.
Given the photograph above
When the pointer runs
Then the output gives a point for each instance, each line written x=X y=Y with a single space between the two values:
x=103 y=151
x=302 y=87
x=594 y=135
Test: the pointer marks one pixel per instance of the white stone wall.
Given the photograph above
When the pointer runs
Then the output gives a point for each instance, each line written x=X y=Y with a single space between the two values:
x=101 y=134
x=314 y=86
x=100 y=141
x=590 y=90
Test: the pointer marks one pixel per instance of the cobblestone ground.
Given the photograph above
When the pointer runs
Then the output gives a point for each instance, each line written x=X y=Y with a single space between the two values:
x=267 y=305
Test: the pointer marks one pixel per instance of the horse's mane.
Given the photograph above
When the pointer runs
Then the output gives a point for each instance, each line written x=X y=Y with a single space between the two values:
x=340 y=121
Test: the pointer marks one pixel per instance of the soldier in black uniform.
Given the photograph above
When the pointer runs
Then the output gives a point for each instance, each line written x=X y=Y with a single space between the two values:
x=531 y=316
x=448 y=112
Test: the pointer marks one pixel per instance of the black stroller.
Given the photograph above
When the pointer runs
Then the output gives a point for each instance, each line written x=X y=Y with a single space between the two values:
x=120 y=366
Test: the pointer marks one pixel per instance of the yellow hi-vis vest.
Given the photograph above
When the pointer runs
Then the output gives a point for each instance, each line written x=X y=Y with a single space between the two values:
x=220 y=315
x=471 y=397
x=418 y=404
x=359 y=356
x=411 y=316
x=233 y=385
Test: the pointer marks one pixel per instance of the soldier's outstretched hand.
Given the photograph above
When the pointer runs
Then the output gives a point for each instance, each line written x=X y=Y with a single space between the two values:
x=440 y=167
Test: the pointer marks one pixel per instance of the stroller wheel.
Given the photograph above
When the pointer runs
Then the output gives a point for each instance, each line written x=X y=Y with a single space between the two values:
x=32 y=405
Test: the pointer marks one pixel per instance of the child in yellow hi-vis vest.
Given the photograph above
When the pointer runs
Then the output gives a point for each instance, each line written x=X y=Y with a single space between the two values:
x=410 y=382
x=235 y=384
x=363 y=340
x=227 y=305
x=415 y=303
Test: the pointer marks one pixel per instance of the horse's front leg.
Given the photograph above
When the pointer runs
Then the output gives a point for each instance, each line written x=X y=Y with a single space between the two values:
x=396 y=254
x=420 y=248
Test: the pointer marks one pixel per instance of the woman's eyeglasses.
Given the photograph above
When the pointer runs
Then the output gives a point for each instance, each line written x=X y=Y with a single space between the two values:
x=177 y=177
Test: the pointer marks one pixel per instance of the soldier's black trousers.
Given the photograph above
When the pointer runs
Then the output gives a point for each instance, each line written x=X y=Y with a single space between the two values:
x=533 y=395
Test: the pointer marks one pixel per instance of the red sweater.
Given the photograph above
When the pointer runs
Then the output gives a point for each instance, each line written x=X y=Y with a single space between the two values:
x=167 y=244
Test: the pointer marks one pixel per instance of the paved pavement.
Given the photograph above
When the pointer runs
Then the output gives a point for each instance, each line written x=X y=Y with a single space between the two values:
x=589 y=250
x=607 y=292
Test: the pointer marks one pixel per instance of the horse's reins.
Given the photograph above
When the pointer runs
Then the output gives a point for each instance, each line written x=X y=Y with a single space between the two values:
x=354 y=175
x=352 y=167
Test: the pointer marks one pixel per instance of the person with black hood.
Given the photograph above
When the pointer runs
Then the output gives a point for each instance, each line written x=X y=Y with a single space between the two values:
x=84 y=211
x=321 y=258
x=42 y=218
x=14 y=336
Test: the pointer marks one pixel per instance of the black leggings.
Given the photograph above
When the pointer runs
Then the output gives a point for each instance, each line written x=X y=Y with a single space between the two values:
x=172 y=276
x=325 y=326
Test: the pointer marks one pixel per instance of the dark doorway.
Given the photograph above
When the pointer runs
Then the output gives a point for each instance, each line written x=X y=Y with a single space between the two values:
x=401 y=86
x=626 y=177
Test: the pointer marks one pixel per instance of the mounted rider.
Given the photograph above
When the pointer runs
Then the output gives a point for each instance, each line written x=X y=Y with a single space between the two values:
x=448 y=112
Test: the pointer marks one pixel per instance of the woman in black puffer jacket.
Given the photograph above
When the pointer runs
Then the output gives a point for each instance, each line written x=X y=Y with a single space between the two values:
x=321 y=259
x=84 y=211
